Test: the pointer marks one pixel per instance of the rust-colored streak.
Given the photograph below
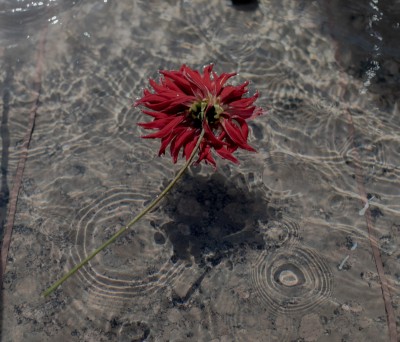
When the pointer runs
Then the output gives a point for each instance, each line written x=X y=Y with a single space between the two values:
x=12 y=206
x=391 y=318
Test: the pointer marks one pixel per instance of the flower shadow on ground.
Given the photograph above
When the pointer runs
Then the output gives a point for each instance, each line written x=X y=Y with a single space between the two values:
x=213 y=218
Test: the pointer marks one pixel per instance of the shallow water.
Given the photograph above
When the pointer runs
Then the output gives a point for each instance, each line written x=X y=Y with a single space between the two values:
x=278 y=248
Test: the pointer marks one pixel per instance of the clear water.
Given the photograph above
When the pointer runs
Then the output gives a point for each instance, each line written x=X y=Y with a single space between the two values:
x=278 y=248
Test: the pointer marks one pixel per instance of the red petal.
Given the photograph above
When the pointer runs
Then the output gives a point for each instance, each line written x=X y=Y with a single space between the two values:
x=205 y=154
x=189 y=148
x=184 y=138
x=236 y=134
x=157 y=115
x=243 y=113
x=207 y=79
x=224 y=153
x=244 y=102
x=244 y=127
x=154 y=124
x=172 y=149
x=194 y=77
x=233 y=93
x=220 y=81
x=179 y=80
x=210 y=136
x=164 y=143
x=210 y=159
x=167 y=128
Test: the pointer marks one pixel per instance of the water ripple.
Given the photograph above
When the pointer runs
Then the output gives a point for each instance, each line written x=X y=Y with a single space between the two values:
x=280 y=168
x=293 y=280
x=136 y=264
x=21 y=19
x=279 y=232
x=236 y=37
x=234 y=312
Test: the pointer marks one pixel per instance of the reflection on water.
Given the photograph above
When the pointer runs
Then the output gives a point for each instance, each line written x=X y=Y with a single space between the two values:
x=275 y=249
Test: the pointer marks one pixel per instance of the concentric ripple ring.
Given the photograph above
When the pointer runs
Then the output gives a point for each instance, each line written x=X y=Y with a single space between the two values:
x=133 y=265
x=284 y=231
x=292 y=280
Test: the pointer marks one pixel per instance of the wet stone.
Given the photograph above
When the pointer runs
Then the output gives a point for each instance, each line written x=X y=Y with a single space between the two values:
x=136 y=331
x=288 y=278
x=289 y=275
x=159 y=238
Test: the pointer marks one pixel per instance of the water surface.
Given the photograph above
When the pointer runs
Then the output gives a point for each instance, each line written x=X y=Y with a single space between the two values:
x=279 y=248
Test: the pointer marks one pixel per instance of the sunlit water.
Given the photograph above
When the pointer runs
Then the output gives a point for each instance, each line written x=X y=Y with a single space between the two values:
x=275 y=249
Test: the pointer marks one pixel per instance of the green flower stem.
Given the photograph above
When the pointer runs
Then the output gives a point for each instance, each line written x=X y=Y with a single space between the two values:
x=130 y=224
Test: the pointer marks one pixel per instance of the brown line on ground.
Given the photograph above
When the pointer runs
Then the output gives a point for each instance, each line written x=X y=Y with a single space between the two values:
x=12 y=207
x=391 y=318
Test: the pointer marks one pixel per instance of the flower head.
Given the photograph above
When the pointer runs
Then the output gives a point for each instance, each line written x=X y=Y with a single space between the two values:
x=185 y=102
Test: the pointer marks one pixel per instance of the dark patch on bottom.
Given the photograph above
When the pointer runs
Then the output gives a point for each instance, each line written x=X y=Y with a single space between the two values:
x=213 y=217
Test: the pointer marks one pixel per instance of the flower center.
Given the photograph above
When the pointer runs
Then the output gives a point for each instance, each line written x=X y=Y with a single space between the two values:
x=201 y=110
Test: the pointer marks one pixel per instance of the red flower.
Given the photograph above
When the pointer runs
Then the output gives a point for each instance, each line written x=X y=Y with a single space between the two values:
x=184 y=102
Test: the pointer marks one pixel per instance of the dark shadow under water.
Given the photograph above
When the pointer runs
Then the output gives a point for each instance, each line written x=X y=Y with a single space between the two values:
x=367 y=35
x=212 y=219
